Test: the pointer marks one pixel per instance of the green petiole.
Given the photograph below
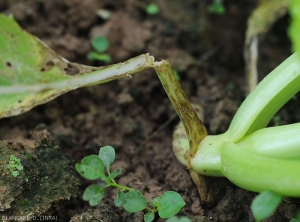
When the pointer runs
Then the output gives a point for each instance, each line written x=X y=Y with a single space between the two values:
x=266 y=99
x=280 y=142
x=114 y=184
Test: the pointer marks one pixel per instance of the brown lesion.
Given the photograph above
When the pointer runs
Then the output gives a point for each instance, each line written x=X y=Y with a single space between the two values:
x=194 y=128
x=49 y=64
x=52 y=60
x=71 y=70
x=8 y=64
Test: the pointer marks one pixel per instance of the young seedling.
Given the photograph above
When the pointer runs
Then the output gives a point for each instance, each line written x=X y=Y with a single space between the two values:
x=296 y=218
x=152 y=9
x=265 y=204
x=95 y=167
x=14 y=165
x=104 y=14
x=100 y=45
x=217 y=7
x=178 y=219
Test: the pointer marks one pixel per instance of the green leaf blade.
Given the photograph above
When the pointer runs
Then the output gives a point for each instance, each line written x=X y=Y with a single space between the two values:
x=148 y=217
x=94 y=194
x=91 y=168
x=120 y=199
x=180 y=219
x=107 y=154
x=15 y=173
x=184 y=219
x=217 y=7
x=135 y=201
x=100 y=43
x=97 y=56
x=265 y=204
x=156 y=201
x=114 y=174
x=90 y=192
x=152 y=9
x=170 y=204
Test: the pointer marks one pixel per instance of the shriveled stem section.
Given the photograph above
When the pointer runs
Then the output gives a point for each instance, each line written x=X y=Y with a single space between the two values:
x=193 y=125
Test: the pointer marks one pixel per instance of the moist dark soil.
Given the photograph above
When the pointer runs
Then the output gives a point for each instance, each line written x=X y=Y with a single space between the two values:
x=206 y=50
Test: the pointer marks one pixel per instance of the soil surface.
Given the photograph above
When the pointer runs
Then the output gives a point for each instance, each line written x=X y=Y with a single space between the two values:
x=206 y=50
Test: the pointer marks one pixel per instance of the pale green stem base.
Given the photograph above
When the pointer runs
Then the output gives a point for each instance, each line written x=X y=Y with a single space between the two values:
x=253 y=158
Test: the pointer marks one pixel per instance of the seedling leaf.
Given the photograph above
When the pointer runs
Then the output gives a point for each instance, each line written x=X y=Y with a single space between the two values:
x=120 y=199
x=15 y=173
x=14 y=165
x=176 y=219
x=107 y=155
x=97 y=56
x=114 y=174
x=156 y=201
x=170 y=204
x=148 y=217
x=217 y=7
x=152 y=9
x=184 y=219
x=100 y=43
x=94 y=194
x=173 y=219
x=19 y=167
x=91 y=191
x=265 y=204
x=297 y=216
x=135 y=201
x=91 y=168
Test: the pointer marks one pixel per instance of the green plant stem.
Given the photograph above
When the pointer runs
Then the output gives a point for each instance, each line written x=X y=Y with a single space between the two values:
x=114 y=184
x=152 y=210
x=108 y=172
x=207 y=160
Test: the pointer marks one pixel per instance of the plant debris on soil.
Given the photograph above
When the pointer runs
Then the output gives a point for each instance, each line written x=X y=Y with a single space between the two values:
x=205 y=49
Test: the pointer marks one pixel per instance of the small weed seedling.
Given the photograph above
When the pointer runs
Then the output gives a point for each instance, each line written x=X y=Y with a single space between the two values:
x=265 y=204
x=296 y=218
x=104 y=14
x=152 y=9
x=217 y=7
x=180 y=219
x=14 y=165
x=100 y=45
x=95 y=167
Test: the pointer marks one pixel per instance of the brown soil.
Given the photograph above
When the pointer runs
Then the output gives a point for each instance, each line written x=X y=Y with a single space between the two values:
x=206 y=50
